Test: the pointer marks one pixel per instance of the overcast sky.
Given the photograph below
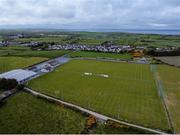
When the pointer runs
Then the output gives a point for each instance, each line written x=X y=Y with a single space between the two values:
x=91 y=14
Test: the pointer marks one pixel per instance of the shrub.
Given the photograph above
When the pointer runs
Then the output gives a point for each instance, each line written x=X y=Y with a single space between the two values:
x=20 y=87
x=8 y=84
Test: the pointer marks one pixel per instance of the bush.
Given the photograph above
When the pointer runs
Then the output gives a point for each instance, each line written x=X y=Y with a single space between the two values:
x=20 y=87
x=8 y=84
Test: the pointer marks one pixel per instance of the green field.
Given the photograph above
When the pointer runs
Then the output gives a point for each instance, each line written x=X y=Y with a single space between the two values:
x=24 y=113
x=85 y=54
x=171 y=80
x=129 y=93
x=46 y=39
x=10 y=63
x=27 y=52
x=10 y=50
x=46 y=54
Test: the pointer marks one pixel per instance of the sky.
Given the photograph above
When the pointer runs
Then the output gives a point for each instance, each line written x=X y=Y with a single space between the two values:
x=90 y=14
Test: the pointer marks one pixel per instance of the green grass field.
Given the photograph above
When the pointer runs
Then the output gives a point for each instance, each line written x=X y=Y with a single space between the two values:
x=10 y=63
x=10 y=50
x=100 y=55
x=171 y=80
x=46 y=54
x=129 y=93
x=46 y=39
x=27 y=52
x=24 y=113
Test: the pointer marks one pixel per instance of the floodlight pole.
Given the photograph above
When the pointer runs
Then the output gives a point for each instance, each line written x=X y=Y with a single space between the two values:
x=89 y=103
x=118 y=112
x=62 y=94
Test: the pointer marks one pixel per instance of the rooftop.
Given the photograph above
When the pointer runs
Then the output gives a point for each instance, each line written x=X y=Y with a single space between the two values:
x=18 y=74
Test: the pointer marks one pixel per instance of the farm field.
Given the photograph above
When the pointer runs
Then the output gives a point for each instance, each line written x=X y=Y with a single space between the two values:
x=24 y=113
x=170 y=77
x=27 y=52
x=100 y=55
x=10 y=63
x=171 y=60
x=41 y=39
x=129 y=93
x=45 y=54
x=10 y=50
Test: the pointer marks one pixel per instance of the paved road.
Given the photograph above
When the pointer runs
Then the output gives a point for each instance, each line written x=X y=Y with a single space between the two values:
x=7 y=93
x=95 y=114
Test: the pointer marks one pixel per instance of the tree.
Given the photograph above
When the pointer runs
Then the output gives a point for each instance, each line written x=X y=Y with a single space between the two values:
x=20 y=87
x=8 y=84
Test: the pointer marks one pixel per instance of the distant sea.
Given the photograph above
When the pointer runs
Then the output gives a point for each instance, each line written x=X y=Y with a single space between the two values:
x=139 y=31
x=163 y=32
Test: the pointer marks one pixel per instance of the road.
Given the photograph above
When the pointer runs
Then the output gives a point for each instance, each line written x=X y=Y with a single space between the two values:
x=95 y=114
x=7 y=93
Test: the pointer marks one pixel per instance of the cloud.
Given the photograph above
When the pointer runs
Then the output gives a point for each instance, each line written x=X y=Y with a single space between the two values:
x=158 y=25
x=91 y=13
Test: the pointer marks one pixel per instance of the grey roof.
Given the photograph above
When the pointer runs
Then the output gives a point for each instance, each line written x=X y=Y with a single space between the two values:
x=18 y=74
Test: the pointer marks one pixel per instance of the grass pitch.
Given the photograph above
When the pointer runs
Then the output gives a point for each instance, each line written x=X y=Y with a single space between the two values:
x=10 y=63
x=171 y=80
x=24 y=113
x=129 y=93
